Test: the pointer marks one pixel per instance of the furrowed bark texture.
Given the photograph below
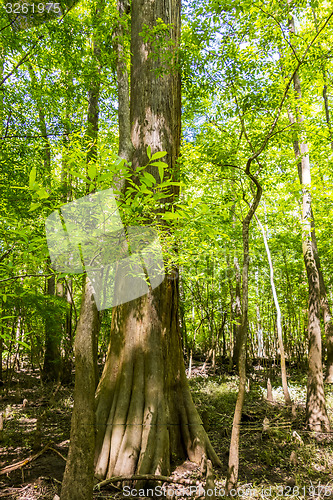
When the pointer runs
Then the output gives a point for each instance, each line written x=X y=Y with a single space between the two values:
x=145 y=414
x=316 y=414
x=324 y=304
x=325 y=307
x=125 y=149
x=78 y=479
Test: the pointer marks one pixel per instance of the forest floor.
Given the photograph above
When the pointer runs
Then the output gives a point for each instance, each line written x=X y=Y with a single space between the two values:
x=278 y=457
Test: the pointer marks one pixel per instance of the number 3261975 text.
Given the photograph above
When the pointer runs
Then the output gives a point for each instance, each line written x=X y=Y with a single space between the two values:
x=24 y=8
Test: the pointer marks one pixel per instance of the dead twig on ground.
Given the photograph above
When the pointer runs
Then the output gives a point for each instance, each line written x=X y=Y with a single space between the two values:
x=26 y=461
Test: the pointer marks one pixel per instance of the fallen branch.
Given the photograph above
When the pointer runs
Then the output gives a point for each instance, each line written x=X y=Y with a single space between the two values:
x=26 y=461
x=49 y=478
x=58 y=453
x=145 y=477
x=12 y=491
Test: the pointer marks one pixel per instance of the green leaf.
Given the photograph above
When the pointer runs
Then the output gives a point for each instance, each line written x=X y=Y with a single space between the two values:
x=92 y=172
x=42 y=193
x=171 y=215
x=161 y=172
x=120 y=162
x=150 y=177
x=33 y=206
x=32 y=177
x=105 y=176
x=149 y=152
x=77 y=174
x=159 y=163
x=157 y=155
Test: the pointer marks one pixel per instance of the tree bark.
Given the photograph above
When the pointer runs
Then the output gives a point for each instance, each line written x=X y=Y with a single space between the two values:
x=237 y=314
x=324 y=304
x=52 y=357
x=145 y=414
x=66 y=181
x=78 y=481
x=316 y=414
x=325 y=308
x=233 y=465
x=53 y=333
x=125 y=148
x=278 y=317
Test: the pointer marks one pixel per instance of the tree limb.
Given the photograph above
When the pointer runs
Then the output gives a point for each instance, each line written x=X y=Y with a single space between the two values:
x=145 y=477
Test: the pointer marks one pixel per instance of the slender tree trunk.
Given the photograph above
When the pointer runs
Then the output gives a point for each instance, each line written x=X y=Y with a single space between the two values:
x=237 y=314
x=67 y=362
x=233 y=465
x=79 y=473
x=125 y=148
x=326 y=310
x=316 y=414
x=52 y=357
x=66 y=181
x=78 y=479
x=92 y=136
x=145 y=413
x=278 y=317
x=324 y=304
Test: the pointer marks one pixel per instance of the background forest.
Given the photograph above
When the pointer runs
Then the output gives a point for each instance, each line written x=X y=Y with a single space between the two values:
x=248 y=208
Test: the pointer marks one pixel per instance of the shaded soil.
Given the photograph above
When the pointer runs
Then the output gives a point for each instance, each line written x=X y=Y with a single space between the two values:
x=276 y=451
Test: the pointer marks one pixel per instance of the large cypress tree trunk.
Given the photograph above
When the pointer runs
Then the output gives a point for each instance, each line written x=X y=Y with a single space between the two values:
x=145 y=414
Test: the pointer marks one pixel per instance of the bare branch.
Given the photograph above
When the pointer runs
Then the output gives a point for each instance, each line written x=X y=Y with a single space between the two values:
x=26 y=276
